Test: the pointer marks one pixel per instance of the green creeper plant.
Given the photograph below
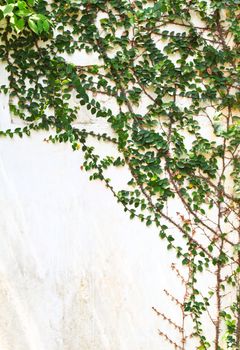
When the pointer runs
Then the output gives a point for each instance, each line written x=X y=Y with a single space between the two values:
x=181 y=57
x=21 y=14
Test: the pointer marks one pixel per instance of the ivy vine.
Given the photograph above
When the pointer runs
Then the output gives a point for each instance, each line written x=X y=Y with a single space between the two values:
x=181 y=57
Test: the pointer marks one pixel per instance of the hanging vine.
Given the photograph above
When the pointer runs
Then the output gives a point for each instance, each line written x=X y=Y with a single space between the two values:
x=180 y=58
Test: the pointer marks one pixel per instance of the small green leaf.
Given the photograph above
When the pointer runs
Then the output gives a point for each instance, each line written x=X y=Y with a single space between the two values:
x=46 y=25
x=21 y=5
x=33 y=26
x=31 y=2
x=24 y=12
x=19 y=23
x=8 y=10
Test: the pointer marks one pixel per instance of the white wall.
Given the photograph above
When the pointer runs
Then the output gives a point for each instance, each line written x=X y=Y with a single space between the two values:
x=75 y=273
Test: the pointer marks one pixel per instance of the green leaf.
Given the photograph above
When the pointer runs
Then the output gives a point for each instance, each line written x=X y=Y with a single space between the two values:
x=40 y=26
x=185 y=261
x=31 y=2
x=24 y=12
x=33 y=26
x=8 y=10
x=210 y=248
x=149 y=222
x=19 y=23
x=80 y=89
x=46 y=25
x=21 y=5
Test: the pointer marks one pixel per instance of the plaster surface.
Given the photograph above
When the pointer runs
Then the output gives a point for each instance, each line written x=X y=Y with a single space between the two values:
x=75 y=272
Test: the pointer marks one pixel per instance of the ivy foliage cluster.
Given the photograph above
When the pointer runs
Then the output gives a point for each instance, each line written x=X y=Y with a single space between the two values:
x=181 y=57
x=21 y=14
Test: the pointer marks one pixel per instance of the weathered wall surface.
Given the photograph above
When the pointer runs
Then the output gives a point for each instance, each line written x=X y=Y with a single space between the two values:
x=75 y=272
